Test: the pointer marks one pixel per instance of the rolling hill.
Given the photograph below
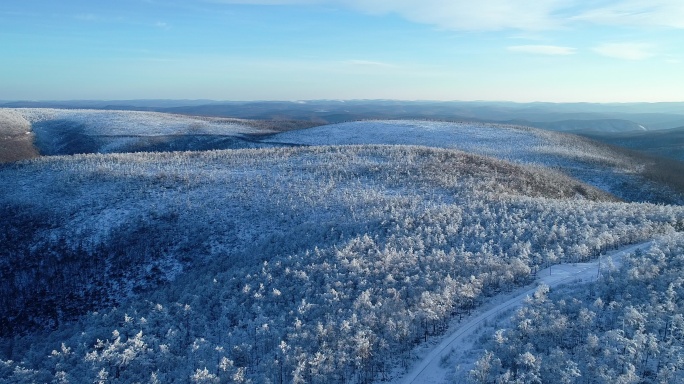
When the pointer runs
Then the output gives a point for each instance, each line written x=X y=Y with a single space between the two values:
x=631 y=178
x=60 y=132
x=69 y=131
x=324 y=254
x=303 y=264
x=74 y=131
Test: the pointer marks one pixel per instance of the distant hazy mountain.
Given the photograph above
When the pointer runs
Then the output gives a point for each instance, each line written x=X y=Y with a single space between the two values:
x=561 y=117
x=567 y=117
x=589 y=126
x=103 y=104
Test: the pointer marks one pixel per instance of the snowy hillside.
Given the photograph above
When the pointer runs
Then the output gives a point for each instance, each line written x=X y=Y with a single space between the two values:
x=511 y=142
x=293 y=265
x=627 y=327
x=584 y=159
x=133 y=123
x=16 y=138
x=66 y=131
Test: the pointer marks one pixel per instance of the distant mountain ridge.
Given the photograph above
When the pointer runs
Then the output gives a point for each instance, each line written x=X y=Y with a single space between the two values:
x=569 y=117
x=606 y=126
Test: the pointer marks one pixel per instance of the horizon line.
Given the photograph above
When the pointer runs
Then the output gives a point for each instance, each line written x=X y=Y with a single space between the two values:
x=8 y=101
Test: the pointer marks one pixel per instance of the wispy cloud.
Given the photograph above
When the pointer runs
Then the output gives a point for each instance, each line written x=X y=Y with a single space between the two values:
x=467 y=14
x=625 y=51
x=87 y=17
x=670 y=59
x=553 y=50
x=448 y=14
x=95 y=18
x=521 y=15
x=370 y=63
x=637 y=13
x=98 y=18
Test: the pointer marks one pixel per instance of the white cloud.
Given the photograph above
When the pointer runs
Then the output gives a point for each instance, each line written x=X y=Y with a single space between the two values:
x=637 y=13
x=542 y=49
x=469 y=15
x=522 y=15
x=369 y=63
x=448 y=14
x=625 y=51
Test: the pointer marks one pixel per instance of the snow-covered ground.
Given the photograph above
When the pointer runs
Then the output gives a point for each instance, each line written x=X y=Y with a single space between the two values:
x=13 y=123
x=594 y=164
x=134 y=123
x=501 y=141
x=64 y=132
x=431 y=367
x=67 y=132
x=363 y=240
x=506 y=142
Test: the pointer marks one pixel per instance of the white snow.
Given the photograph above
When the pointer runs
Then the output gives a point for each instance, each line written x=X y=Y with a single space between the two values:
x=13 y=123
x=470 y=137
x=507 y=142
x=576 y=157
x=135 y=123
x=429 y=369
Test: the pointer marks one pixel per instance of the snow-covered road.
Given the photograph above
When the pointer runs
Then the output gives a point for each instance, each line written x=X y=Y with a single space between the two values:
x=428 y=370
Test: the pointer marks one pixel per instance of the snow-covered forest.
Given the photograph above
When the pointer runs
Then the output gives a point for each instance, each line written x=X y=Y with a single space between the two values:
x=628 y=327
x=622 y=174
x=76 y=131
x=305 y=265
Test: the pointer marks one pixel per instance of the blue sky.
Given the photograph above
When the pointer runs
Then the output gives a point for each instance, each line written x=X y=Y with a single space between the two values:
x=516 y=50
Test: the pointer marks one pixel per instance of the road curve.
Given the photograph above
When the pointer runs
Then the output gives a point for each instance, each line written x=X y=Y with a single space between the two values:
x=428 y=371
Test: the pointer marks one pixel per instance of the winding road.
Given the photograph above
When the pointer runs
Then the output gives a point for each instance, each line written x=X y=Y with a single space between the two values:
x=429 y=370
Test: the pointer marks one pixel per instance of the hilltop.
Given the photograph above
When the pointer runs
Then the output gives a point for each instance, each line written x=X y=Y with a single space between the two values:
x=630 y=177
x=72 y=131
